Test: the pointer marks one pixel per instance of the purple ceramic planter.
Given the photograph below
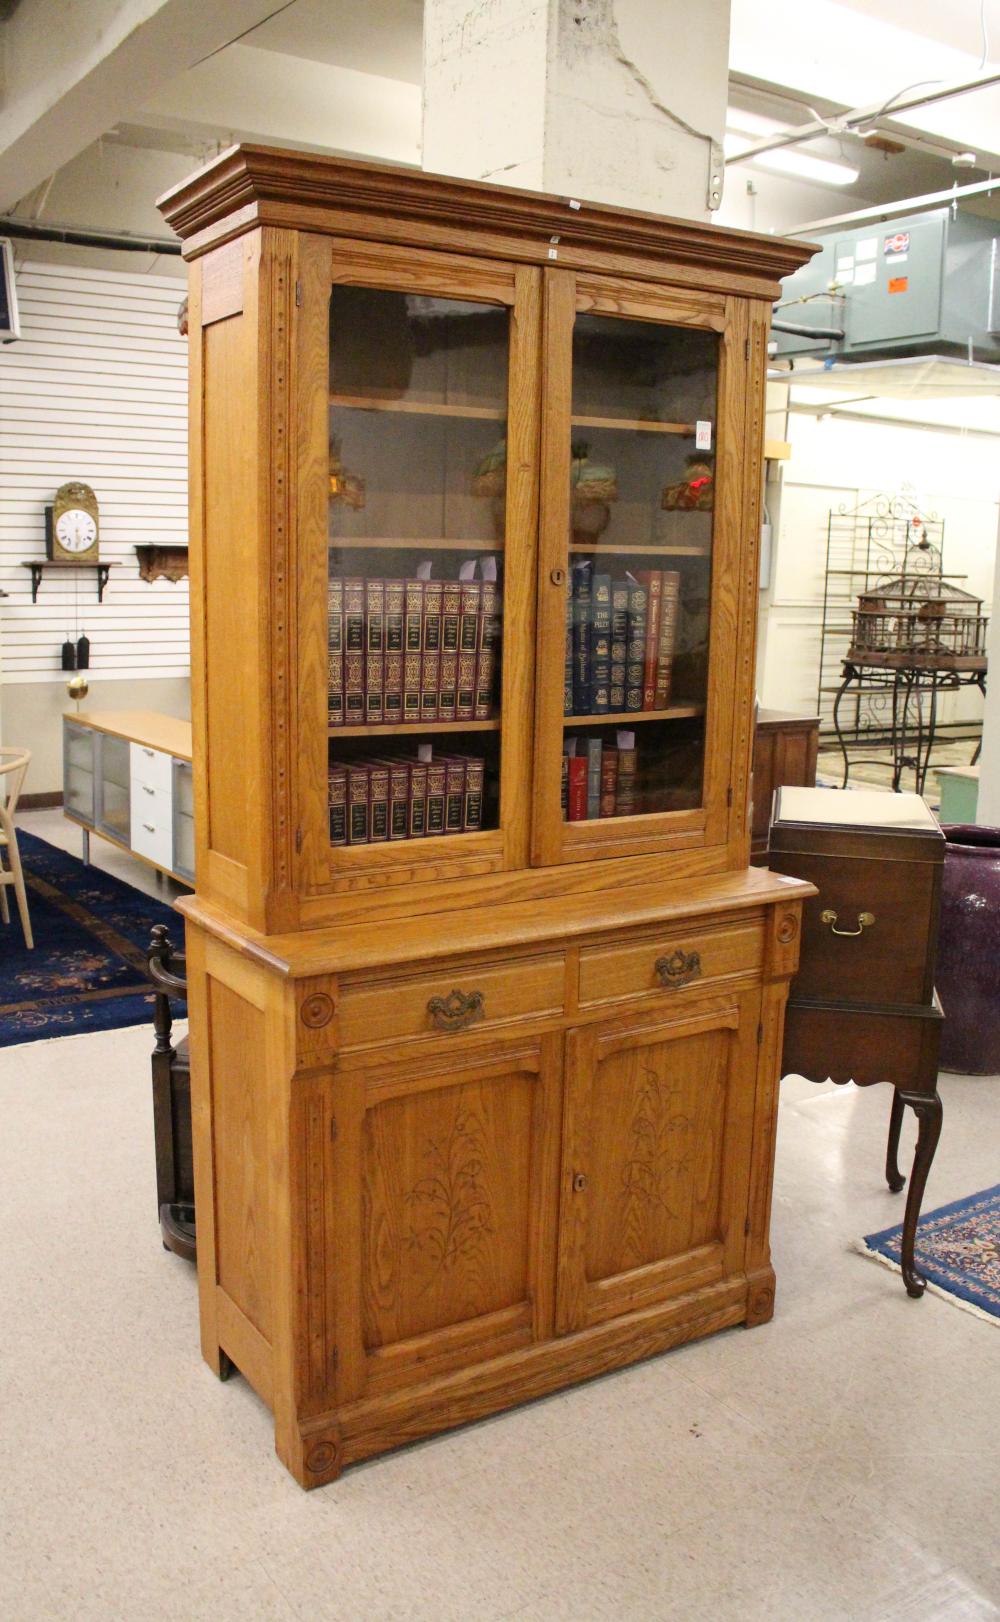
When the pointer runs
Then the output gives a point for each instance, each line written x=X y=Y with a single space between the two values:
x=968 y=960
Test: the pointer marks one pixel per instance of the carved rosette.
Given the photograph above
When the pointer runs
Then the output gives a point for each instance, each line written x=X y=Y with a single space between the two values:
x=316 y=1010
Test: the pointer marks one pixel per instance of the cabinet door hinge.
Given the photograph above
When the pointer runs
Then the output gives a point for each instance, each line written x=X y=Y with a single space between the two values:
x=760 y=1035
x=746 y=1228
x=298 y=841
x=298 y=294
x=333 y=1129
x=729 y=795
x=746 y=349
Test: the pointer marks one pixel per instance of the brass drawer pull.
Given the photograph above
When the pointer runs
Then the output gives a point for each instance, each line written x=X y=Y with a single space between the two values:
x=828 y=916
x=457 y=1010
x=678 y=970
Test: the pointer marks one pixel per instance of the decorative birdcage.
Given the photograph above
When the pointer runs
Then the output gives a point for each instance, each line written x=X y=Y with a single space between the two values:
x=918 y=619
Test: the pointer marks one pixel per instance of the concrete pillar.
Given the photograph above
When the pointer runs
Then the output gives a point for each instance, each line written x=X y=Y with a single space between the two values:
x=988 y=802
x=613 y=101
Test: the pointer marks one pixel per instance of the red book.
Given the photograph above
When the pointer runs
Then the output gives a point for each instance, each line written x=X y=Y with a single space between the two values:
x=375 y=616
x=448 y=684
x=437 y=775
x=354 y=688
x=451 y=613
x=465 y=704
x=430 y=677
x=338 y=805
x=576 y=794
x=669 y=608
x=418 y=799
x=468 y=638
x=413 y=616
x=378 y=803
x=335 y=652
x=652 y=579
x=454 y=805
x=392 y=698
x=609 y=782
x=399 y=799
x=395 y=603
x=357 y=805
x=487 y=649
x=354 y=616
x=625 y=803
x=411 y=686
x=475 y=771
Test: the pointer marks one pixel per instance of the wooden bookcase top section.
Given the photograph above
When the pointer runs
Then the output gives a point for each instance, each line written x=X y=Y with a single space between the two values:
x=250 y=185
x=145 y=727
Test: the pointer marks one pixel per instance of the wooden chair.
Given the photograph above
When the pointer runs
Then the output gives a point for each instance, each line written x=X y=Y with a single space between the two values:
x=171 y=1104
x=13 y=767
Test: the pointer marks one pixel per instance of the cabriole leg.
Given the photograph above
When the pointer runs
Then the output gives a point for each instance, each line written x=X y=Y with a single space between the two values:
x=927 y=1109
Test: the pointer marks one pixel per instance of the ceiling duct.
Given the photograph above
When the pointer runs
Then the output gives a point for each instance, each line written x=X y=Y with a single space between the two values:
x=922 y=285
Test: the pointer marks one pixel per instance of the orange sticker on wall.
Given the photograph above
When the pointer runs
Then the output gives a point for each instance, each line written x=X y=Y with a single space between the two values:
x=898 y=284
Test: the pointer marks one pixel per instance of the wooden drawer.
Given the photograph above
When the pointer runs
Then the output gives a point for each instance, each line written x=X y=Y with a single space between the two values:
x=153 y=767
x=473 y=997
x=664 y=963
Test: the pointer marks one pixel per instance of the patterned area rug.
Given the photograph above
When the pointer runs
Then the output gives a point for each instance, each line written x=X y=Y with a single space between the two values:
x=88 y=969
x=957 y=1250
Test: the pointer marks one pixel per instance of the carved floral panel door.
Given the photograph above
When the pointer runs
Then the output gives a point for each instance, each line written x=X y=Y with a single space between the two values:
x=444 y=1175
x=656 y=1156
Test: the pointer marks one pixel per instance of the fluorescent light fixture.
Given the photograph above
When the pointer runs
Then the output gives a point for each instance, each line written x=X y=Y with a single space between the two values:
x=787 y=160
x=753 y=123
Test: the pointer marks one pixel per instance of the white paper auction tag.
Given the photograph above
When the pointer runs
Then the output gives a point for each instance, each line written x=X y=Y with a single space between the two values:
x=703 y=436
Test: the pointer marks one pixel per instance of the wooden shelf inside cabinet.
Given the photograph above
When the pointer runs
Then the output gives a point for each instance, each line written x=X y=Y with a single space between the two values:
x=419 y=408
x=643 y=551
x=396 y=729
x=642 y=425
x=677 y=712
x=39 y=566
x=386 y=543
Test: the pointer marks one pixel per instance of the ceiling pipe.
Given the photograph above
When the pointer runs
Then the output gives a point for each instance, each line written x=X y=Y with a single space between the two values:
x=31 y=231
x=841 y=123
x=797 y=330
x=906 y=205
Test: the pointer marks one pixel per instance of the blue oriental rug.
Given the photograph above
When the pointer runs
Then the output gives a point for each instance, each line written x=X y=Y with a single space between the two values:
x=88 y=968
x=957 y=1250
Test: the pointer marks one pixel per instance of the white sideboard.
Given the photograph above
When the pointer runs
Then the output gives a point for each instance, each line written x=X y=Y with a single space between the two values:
x=127 y=777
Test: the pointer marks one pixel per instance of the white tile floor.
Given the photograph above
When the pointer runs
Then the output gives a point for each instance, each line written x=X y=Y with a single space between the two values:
x=840 y=1462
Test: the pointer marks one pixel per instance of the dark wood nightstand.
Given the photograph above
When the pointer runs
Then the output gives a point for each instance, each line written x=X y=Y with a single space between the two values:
x=863 y=1006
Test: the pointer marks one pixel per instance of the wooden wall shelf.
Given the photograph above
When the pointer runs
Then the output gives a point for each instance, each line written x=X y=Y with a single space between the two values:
x=39 y=566
x=418 y=408
x=677 y=712
x=402 y=730
x=163 y=561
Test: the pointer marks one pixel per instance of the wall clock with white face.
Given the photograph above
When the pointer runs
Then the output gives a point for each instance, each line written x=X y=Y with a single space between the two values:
x=72 y=527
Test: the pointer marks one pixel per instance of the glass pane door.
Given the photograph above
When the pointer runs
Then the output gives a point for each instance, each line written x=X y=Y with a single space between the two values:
x=638 y=514
x=416 y=548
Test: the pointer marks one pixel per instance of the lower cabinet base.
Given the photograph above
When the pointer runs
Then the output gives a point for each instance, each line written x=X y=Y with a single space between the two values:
x=317 y=1450
x=442 y=1185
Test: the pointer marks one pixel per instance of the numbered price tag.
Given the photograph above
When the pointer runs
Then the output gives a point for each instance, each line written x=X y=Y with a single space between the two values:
x=703 y=436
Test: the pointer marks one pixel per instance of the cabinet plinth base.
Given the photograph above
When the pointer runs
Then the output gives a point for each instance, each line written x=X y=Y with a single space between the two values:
x=332 y=1441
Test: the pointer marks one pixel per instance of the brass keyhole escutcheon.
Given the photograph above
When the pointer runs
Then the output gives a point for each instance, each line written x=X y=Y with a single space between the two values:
x=579 y=1182
x=558 y=577
x=865 y=921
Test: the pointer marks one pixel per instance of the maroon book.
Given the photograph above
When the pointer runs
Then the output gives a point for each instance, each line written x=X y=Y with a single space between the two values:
x=576 y=793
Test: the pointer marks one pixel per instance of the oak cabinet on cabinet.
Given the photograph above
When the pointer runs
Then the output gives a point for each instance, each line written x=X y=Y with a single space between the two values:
x=443 y=1187
x=475 y=510
x=657 y=1139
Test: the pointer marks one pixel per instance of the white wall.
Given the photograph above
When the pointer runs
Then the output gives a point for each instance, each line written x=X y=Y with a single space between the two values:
x=96 y=389
x=847 y=461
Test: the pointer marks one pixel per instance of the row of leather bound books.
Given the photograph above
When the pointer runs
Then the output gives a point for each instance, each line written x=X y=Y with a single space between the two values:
x=412 y=650
x=389 y=797
x=598 y=780
x=620 y=637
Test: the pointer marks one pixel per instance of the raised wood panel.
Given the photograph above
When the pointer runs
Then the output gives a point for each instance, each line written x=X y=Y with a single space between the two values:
x=445 y=1196
x=239 y=1080
x=657 y=1140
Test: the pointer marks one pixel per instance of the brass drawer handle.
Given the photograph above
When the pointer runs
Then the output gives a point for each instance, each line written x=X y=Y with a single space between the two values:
x=457 y=1010
x=828 y=916
x=678 y=970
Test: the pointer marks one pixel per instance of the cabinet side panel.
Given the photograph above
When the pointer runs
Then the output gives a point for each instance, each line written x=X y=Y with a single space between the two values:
x=229 y=602
x=238 y=1071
